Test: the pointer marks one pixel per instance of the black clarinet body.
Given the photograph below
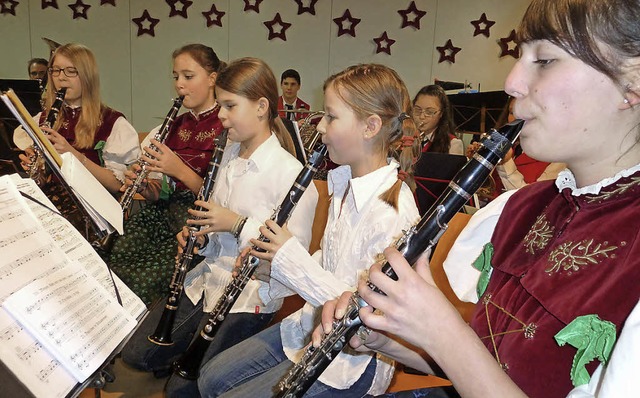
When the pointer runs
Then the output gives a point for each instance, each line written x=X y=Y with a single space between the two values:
x=126 y=200
x=37 y=169
x=421 y=237
x=162 y=334
x=188 y=365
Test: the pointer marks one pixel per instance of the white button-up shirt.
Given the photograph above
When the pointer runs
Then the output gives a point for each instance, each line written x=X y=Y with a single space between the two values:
x=353 y=238
x=251 y=187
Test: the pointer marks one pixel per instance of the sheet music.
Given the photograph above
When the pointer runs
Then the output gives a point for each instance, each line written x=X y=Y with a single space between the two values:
x=75 y=246
x=97 y=200
x=73 y=317
x=29 y=254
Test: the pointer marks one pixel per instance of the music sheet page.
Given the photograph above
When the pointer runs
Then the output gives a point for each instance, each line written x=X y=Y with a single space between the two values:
x=28 y=254
x=45 y=254
x=75 y=245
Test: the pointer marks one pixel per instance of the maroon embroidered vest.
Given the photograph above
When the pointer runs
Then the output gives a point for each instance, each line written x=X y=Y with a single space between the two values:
x=70 y=119
x=192 y=139
x=558 y=257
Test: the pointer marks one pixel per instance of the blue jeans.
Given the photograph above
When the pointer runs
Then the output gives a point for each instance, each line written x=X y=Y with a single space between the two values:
x=141 y=354
x=254 y=367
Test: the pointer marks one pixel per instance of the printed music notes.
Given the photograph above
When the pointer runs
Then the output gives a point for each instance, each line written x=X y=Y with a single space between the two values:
x=59 y=318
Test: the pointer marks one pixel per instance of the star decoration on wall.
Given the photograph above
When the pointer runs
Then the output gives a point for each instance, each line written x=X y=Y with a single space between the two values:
x=346 y=24
x=504 y=45
x=482 y=21
x=218 y=16
x=383 y=43
x=417 y=15
x=142 y=23
x=306 y=6
x=179 y=7
x=112 y=2
x=282 y=27
x=49 y=3
x=252 y=5
x=79 y=9
x=8 y=7
x=448 y=52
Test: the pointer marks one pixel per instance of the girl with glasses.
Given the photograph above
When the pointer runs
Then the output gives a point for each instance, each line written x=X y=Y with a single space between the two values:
x=433 y=115
x=99 y=137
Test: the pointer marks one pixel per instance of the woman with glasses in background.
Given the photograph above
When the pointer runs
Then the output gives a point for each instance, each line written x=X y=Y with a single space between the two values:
x=433 y=115
x=99 y=137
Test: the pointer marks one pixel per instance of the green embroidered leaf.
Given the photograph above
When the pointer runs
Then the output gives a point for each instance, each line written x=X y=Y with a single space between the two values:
x=167 y=189
x=99 y=148
x=593 y=338
x=483 y=264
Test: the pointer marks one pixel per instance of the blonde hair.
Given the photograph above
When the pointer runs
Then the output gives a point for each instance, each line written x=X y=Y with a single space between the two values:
x=373 y=89
x=253 y=79
x=91 y=117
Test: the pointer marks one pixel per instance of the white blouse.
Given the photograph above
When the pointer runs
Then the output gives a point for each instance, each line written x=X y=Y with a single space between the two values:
x=355 y=235
x=251 y=187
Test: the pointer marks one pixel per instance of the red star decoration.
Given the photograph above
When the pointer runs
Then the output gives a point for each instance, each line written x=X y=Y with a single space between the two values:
x=350 y=21
x=415 y=22
x=504 y=45
x=311 y=8
x=218 y=18
x=487 y=24
x=49 y=3
x=146 y=18
x=112 y=2
x=252 y=5
x=448 y=52
x=8 y=7
x=79 y=9
x=383 y=43
x=182 y=11
x=281 y=33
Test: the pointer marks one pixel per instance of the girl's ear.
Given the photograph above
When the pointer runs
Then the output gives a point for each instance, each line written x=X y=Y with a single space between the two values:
x=212 y=79
x=263 y=107
x=373 y=125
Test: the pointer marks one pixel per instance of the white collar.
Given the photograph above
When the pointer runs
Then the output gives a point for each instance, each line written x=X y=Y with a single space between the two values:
x=566 y=179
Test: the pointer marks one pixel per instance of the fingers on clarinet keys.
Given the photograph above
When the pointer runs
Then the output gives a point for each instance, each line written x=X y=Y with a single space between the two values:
x=363 y=334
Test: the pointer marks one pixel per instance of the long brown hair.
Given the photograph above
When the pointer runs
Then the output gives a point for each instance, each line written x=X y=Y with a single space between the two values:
x=253 y=79
x=373 y=89
x=91 y=117
x=203 y=55
x=441 y=141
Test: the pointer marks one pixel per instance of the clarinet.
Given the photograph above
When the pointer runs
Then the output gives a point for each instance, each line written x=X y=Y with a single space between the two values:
x=189 y=364
x=421 y=237
x=161 y=136
x=37 y=171
x=184 y=260
x=126 y=200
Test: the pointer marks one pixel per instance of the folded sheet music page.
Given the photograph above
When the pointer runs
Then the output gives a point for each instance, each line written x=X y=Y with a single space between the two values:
x=61 y=320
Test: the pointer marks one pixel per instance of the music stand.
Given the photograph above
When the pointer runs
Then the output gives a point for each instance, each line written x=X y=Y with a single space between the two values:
x=432 y=174
x=477 y=112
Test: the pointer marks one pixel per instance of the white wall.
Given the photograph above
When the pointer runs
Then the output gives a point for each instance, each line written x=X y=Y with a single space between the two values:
x=136 y=70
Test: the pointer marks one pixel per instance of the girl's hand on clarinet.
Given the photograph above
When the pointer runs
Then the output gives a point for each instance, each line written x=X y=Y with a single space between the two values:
x=334 y=310
x=25 y=158
x=215 y=218
x=182 y=238
x=276 y=236
x=412 y=308
x=163 y=160
x=59 y=142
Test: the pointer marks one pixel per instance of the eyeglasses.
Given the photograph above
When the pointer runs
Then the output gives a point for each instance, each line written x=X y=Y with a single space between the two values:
x=69 y=71
x=429 y=112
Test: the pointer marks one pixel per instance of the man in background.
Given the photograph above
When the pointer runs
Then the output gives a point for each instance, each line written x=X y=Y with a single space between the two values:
x=289 y=101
